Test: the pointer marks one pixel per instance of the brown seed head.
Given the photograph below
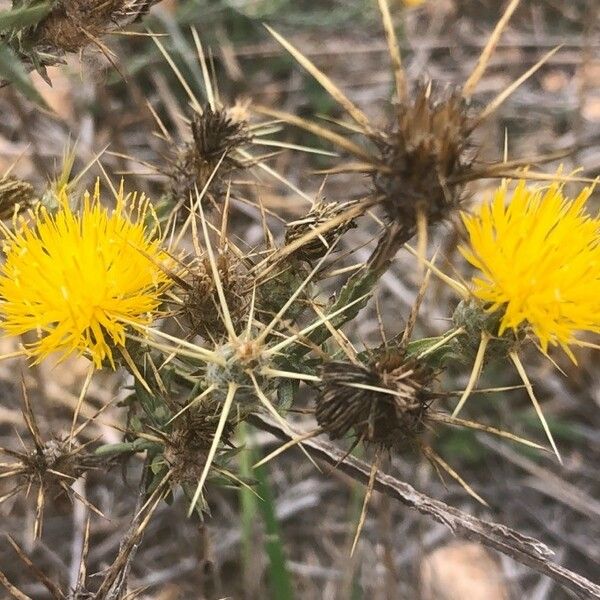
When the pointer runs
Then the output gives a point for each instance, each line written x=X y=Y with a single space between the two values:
x=348 y=401
x=201 y=304
x=215 y=134
x=426 y=148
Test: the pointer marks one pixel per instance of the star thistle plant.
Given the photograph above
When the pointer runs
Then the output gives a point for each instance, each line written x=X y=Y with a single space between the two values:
x=247 y=332
x=79 y=281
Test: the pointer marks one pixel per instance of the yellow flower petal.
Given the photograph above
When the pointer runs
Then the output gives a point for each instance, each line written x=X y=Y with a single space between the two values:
x=79 y=280
x=539 y=262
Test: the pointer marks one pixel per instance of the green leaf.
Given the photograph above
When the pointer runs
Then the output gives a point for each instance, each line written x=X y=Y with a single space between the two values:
x=279 y=575
x=12 y=70
x=286 y=392
x=19 y=18
x=138 y=445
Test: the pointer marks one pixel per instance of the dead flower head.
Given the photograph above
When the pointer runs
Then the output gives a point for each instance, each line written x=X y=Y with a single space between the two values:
x=383 y=403
x=49 y=467
x=216 y=133
x=422 y=156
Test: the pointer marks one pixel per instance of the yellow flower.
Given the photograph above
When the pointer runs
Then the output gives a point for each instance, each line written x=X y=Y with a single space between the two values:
x=79 y=280
x=539 y=257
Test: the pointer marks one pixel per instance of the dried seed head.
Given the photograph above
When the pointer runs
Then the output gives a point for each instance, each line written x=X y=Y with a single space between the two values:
x=54 y=463
x=427 y=147
x=320 y=213
x=201 y=303
x=215 y=134
x=15 y=195
x=72 y=24
x=394 y=419
x=187 y=446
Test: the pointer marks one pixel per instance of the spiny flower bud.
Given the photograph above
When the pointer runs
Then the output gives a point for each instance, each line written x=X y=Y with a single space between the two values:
x=474 y=320
x=15 y=193
x=201 y=301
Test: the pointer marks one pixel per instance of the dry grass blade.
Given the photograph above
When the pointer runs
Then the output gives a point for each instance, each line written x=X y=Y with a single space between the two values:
x=14 y=592
x=547 y=482
x=82 y=574
x=518 y=546
x=116 y=574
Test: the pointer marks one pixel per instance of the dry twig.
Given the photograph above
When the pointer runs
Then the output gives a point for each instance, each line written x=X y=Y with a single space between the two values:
x=517 y=546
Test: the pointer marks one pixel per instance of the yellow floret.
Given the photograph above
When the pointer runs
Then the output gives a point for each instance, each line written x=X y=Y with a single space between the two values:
x=539 y=258
x=78 y=281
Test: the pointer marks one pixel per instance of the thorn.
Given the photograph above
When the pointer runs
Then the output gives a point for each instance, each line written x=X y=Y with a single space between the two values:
x=394 y=49
x=488 y=50
x=475 y=372
x=536 y=405
x=368 y=494
x=215 y=443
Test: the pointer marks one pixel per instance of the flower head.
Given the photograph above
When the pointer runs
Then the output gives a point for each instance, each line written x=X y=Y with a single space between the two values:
x=79 y=280
x=539 y=257
x=384 y=402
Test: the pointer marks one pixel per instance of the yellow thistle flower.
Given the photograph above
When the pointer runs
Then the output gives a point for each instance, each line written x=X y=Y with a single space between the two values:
x=539 y=257
x=79 y=280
